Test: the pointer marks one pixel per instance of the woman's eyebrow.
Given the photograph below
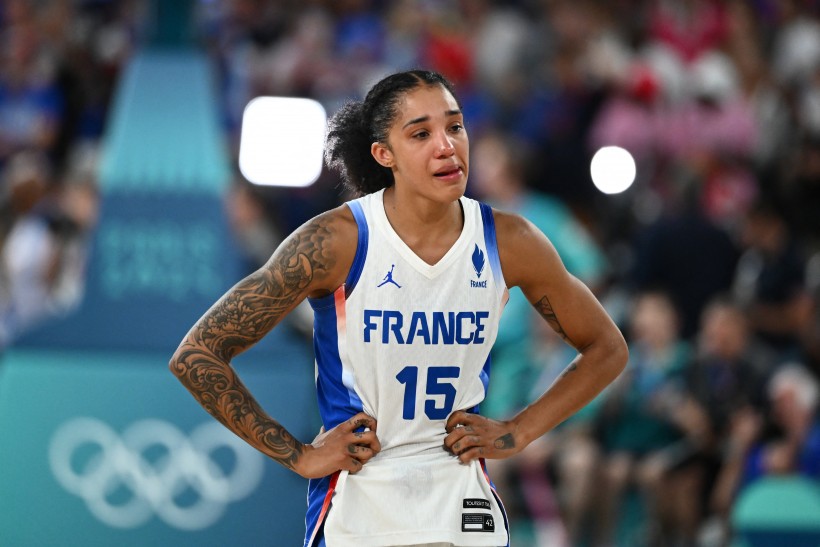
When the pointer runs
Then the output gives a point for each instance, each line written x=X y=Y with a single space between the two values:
x=422 y=119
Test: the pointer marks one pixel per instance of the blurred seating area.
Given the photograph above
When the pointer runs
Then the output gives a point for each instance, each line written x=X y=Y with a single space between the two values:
x=710 y=262
x=58 y=71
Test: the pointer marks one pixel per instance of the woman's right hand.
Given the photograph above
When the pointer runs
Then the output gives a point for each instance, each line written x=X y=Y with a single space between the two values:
x=341 y=448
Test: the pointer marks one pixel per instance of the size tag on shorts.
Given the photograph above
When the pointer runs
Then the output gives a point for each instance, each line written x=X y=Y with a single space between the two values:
x=475 y=522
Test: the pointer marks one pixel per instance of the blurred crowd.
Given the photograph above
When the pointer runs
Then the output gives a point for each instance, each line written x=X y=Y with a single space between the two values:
x=59 y=64
x=710 y=262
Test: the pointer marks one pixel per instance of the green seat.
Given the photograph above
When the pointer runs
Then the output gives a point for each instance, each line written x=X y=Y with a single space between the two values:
x=778 y=511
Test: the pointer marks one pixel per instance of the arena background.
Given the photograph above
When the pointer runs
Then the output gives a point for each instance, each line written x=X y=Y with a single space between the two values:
x=124 y=216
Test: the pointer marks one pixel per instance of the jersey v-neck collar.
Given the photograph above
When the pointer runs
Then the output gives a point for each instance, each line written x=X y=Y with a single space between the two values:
x=428 y=270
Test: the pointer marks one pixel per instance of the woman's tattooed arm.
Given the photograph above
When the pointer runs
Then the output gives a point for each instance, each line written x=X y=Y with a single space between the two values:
x=244 y=315
x=545 y=309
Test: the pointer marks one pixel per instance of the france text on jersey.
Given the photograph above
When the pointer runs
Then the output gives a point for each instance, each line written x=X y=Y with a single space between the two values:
x=447 y=328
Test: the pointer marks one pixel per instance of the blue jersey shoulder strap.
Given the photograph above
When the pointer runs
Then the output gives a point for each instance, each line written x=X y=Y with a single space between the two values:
x=361 y=247
x=490 y=240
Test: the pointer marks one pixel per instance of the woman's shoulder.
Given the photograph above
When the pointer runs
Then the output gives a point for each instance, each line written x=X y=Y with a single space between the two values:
x=512 y=228
x=523 y=248
x=337 y=223
x=327 y=242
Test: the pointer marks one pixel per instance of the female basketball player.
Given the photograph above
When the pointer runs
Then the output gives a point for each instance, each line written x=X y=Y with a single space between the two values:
x=407 y=284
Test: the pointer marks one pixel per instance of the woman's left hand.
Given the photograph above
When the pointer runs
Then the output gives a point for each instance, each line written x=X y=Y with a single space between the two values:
x=470 y=436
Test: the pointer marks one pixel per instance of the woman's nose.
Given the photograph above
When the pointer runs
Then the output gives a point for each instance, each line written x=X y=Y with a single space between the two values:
x=445 y=147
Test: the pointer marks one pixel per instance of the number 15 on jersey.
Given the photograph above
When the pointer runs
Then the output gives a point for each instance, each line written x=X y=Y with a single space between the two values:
x=438 y=382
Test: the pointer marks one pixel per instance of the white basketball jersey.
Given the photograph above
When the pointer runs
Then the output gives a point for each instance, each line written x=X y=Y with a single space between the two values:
x=409 y=343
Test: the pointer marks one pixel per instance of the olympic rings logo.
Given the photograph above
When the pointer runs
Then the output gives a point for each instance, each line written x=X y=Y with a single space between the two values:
x=153 y=468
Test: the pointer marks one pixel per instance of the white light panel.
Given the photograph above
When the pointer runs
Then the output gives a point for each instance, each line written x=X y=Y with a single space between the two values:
x=282 y=141
x=613 y=169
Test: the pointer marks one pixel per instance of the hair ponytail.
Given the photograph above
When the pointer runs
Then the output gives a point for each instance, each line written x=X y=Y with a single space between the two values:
x=347 y=150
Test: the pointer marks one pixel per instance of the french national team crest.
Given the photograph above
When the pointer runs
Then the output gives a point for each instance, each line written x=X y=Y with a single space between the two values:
x=479 y=261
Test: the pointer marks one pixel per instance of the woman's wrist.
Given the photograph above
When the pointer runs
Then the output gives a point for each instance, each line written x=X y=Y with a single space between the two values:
x=521 y=431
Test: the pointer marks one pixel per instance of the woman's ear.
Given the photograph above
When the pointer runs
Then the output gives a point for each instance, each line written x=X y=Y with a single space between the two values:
x=382 y=154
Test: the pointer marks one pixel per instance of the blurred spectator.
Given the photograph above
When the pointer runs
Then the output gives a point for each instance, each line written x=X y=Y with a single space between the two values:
x=405 y=21
x=810 y=336
x=42 y=259
x=640 y=439
x=630 y=117
x=447 y=47
x=716 y=137
x=783 y=441
x=686 y=255
x=24 y=183
x=770 y=280
x=791 y=440
x=800 y=191
x=725 y=382
x=746 y=47
x=30 y=102
x=91 y=41
x=796 y=49
x=564 y=97
x=690 y=27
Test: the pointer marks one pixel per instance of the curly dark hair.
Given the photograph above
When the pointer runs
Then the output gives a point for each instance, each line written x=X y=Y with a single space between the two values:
x=358 y=124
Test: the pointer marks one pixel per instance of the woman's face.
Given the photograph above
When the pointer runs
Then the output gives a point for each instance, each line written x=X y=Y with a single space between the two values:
x=724 y=333
x=427 y=146
x=654 y=321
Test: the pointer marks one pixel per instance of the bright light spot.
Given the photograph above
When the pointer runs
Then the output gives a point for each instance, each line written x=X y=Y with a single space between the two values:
x=612 y=169
x=282 y=141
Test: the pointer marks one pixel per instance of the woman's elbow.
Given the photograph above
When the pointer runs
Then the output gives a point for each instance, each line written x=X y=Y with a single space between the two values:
x=175 y=366
x=618 y=354
x=180 y=361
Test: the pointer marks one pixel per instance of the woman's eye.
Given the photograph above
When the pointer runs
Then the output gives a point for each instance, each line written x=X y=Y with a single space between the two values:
x=455 y=128
x=421 y=135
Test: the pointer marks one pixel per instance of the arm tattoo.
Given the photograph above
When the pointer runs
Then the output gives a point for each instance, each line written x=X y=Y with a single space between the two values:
x=544 y=307
x=220 y=391
x=571 y=368
x=252 y=308
x=240 y=319
x=505 y=442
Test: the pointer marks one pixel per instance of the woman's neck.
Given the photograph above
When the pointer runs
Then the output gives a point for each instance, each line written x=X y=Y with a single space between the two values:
x=429 y=228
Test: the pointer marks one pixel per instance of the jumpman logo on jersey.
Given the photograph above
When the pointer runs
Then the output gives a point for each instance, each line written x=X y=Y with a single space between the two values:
x=389 y=278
